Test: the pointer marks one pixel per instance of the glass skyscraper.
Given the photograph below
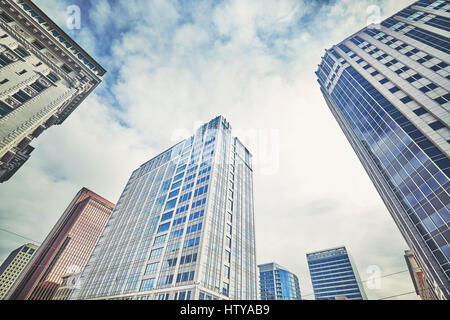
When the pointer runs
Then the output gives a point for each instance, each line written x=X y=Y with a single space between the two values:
x=388 y=87
x=277 y=283
x=183 y=227
x=334 y=274
x=65 y=250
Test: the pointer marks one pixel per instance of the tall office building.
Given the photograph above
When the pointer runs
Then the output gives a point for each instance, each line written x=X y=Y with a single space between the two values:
x=183 y=227
x=13 y=265
x=421 y=285
x=334 y=275
x=388 y=87
x=277 y=283
x=44 y=76
x=66 y=249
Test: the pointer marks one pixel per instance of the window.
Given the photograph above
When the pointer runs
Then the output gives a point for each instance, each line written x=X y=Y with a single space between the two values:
x=176 y=185
x=164 y=227
x=167 y=216
x=38 y=86
x=174 y=193
x=172 y=262
x=171 y=204
x=179 y=176
x=156 y=253
x=160 y=239
x=4 y=60
x=394 y=89
x=151 y=268
x=21 y=96
x=4 y=109
x=21 y=52
x=6 y=17
x=436 y=125
x=180 y=169
x=147 y=284
x=53 y=77
x=226 y=272
x=66 y=68
x=420 y=111
x=37 y=45
x=225 y=289
x=406 y=99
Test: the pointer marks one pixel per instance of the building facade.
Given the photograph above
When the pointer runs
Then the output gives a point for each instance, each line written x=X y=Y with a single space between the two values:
x=421 y=284
x=183 y=227
x=12 y=267
x=334 y=275
x=277 y=283
x=388 y=86
x=44 y=76
x=66 y=249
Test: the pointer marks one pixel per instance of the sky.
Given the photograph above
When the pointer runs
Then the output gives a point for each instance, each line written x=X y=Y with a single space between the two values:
x=173 y=65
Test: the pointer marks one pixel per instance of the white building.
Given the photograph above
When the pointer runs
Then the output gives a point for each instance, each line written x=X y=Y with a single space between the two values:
x=44 y=76
x=13 y=266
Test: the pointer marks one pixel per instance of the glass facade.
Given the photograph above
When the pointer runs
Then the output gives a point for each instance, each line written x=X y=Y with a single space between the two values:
x=333 y=275
x=66 y=249
x=183 y=227
x=277 y=283
x=388 y=87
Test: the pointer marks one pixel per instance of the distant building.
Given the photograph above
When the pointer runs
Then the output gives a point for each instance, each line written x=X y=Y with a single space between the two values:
x=277 y=283
x=334 y=275
x=13 y=265
x=420 y=282
x=66 y=249
x=44 y=76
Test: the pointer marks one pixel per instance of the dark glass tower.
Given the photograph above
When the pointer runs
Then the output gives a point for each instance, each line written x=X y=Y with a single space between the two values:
x=388 y=87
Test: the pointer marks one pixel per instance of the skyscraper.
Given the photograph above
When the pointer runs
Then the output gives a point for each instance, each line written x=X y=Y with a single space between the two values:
x=277 y=283
x=13 y=265
x=388 y=87
x=66 y=249
x=44 y=76
x=183 y=227
x=334 y=275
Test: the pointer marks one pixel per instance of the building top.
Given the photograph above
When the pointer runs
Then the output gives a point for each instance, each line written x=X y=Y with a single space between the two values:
x=97 y=197
x=176 y=150
x=327 y=253
x=68 y=43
